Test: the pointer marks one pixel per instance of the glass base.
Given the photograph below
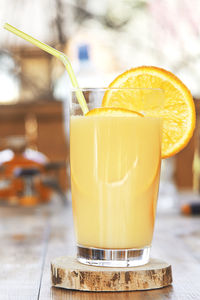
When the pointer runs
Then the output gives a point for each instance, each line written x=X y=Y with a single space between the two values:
x=113 y=257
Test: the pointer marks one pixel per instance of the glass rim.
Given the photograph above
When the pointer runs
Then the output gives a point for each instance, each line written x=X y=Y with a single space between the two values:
x=86 y=89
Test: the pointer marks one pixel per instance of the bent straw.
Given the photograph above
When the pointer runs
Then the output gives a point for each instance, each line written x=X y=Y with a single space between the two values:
x=61 y=56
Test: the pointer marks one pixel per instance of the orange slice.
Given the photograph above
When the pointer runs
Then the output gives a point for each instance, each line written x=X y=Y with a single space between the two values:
x=178 y=111
x=113 y=111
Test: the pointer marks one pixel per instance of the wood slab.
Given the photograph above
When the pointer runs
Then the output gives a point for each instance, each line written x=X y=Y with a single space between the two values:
x=68 y=273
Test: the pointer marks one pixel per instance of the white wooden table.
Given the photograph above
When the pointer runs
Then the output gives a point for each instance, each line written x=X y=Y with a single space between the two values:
x=30 y=238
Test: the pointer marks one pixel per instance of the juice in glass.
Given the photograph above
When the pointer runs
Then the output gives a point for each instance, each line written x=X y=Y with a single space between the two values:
x=115 y=168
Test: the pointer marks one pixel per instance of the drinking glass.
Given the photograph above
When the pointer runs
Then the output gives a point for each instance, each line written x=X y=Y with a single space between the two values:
x=115 y=168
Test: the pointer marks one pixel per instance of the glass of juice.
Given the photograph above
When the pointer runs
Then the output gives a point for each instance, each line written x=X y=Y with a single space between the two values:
x=115 y=168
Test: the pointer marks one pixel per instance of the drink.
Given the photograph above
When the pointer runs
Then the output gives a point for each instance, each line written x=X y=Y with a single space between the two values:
x=115 y=167
x=115 y=157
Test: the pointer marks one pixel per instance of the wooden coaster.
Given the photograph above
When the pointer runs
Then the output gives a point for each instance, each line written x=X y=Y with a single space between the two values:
x=68 y=273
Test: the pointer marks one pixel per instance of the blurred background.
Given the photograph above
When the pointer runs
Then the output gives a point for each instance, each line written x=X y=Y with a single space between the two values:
x=102 y=39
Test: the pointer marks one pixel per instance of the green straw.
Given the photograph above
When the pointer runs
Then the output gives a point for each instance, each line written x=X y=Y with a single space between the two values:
x=61 y=56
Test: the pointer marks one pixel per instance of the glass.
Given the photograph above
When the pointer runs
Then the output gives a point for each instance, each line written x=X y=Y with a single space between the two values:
x=115 y=169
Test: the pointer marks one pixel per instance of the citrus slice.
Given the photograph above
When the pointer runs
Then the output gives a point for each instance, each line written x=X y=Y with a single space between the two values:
x=113 y=111
x=177 y=112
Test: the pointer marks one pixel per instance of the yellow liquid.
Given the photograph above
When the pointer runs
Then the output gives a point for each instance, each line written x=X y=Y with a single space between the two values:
x=115 y=169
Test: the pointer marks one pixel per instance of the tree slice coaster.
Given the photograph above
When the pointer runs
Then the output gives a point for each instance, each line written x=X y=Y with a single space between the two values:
x=68 y=273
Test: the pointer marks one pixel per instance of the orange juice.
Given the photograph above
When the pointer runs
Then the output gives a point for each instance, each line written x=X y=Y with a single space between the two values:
x=115 y=168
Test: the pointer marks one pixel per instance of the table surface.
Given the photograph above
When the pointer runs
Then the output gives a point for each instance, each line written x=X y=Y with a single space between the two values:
x=30 y=238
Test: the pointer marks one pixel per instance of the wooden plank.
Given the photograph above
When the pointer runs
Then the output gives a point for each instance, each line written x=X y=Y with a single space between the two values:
x=27 y=234
x=23 y=235
x=58 y=294
x=169 y=244
x=183 y=166
x=61 y=242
